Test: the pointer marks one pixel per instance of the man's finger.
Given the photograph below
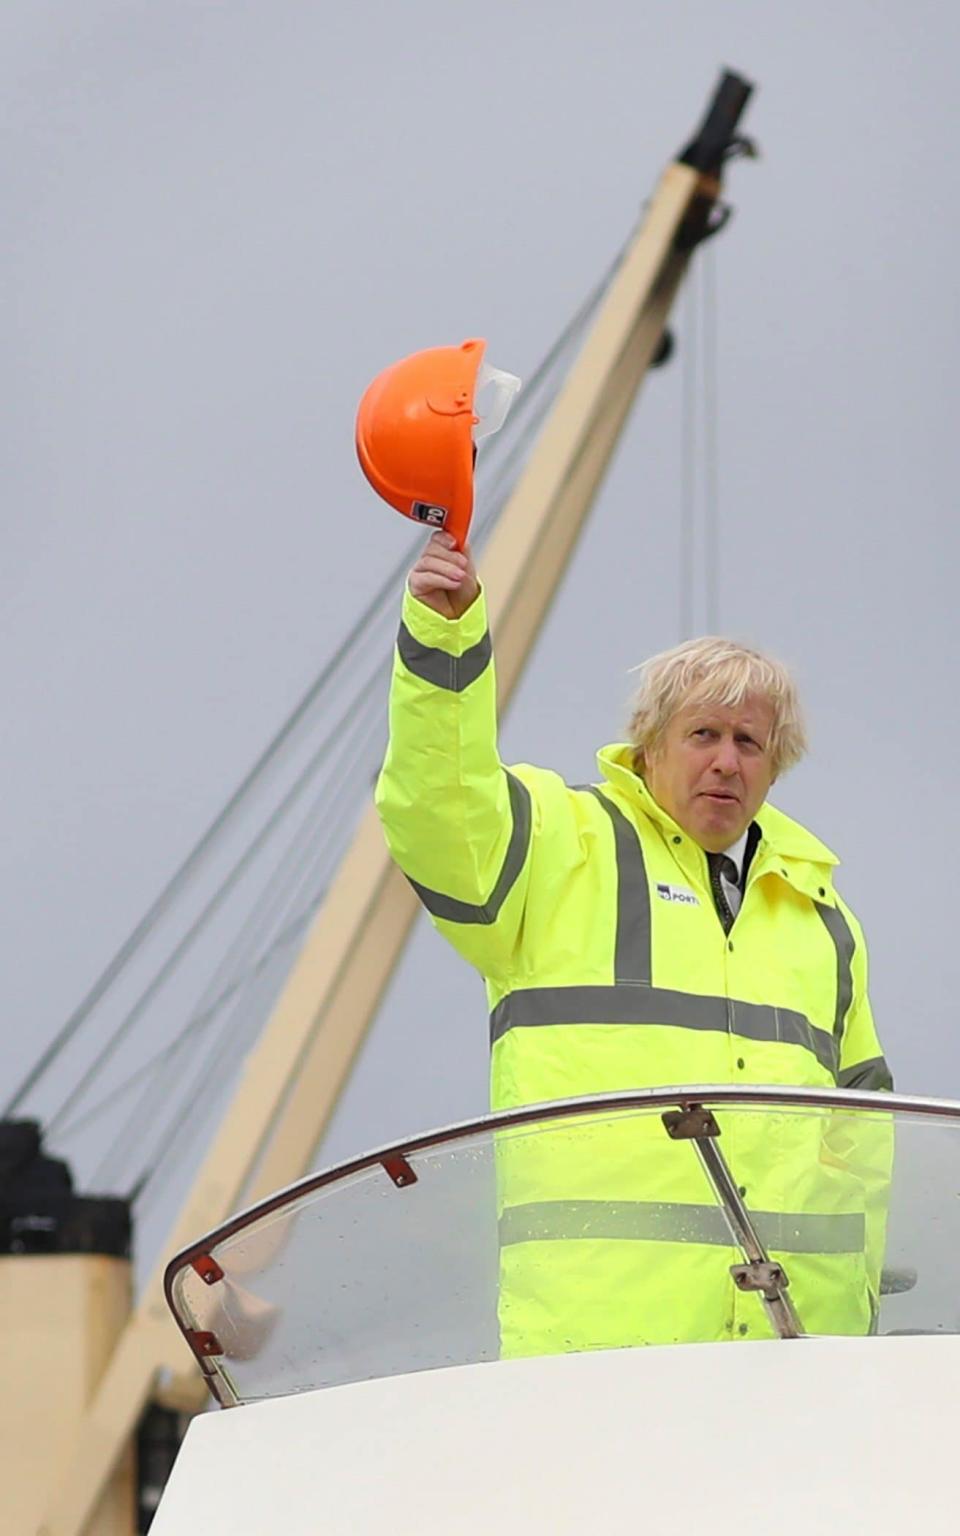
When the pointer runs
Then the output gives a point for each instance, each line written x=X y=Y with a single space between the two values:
x=434 y=565
x=447 y=558
x=429 y=582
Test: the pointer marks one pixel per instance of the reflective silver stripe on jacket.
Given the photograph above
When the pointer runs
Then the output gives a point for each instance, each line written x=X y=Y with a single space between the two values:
x=455 y=911
x=663 y=1221
x=845 y=944
x=632 y=999
x=438 y=667
x=633 y=1004
x=873 y=1076
x=633 y=956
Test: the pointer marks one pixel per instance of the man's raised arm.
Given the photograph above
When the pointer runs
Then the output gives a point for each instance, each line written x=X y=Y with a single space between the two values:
x=456 y=821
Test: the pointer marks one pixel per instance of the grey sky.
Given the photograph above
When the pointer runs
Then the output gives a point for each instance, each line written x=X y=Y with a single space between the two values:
x=223 y=219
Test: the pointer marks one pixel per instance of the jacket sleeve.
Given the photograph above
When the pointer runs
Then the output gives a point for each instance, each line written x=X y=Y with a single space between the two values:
x=456 y=821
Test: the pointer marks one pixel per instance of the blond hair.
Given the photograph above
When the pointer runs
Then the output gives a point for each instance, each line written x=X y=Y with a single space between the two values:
x=720 y=672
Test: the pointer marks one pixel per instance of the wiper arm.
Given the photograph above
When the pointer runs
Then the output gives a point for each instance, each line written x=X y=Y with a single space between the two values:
x=759 y=1273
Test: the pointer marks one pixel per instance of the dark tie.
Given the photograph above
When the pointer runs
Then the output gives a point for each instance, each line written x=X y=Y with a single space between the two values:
x=719 y=864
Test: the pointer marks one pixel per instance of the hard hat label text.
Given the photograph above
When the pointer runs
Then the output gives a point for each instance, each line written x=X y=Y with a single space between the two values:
x=428 y=512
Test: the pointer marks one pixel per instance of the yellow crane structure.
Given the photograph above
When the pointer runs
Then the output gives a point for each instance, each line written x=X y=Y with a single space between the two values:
x=82 y=1364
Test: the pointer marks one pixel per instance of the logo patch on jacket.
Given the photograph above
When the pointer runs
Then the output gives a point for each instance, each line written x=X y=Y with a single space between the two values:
x=677 y=893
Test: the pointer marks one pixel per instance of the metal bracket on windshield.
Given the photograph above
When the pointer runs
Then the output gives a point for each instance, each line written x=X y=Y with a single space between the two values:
x=770 y=1280
x=690 y=1124
x=400 y=1171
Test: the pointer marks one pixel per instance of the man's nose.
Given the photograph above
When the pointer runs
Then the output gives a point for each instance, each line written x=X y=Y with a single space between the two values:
x=726 y=758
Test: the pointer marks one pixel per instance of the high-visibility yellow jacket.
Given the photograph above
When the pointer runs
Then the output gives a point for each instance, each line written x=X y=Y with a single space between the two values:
x=588 y=911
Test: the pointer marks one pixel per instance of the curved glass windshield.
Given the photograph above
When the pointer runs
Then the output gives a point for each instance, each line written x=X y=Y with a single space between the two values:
x=719 y=1215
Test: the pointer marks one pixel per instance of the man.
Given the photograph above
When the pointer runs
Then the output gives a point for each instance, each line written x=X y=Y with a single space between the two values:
x=667 y=926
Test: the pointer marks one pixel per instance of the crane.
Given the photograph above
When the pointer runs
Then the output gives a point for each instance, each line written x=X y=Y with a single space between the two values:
x=293 y=1076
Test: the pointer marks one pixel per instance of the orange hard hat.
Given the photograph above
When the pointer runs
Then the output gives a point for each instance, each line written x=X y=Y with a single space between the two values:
x=415 y=433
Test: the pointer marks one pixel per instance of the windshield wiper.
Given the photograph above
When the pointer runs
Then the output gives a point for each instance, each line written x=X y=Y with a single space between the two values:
x=759 y=1272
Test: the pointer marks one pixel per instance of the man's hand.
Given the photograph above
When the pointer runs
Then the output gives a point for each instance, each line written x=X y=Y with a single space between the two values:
x=443 y=578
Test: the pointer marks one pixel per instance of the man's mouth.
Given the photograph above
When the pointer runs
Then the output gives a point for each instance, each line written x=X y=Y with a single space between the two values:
x=720 y=794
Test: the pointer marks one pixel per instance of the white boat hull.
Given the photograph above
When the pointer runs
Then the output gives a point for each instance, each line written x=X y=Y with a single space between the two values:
x=819 y=1435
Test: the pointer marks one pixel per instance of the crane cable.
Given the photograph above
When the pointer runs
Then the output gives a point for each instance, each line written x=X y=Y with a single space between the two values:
x=711 y=487
x=174 y=1139
x=231 y=985
x=170 y=1143
x=211 y=837
x=699 y=473
x=289 y=931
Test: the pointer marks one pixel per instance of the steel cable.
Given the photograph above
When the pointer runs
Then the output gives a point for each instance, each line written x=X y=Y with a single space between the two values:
x=491 y=469
x=270 y=914
x=711 y=489
x=171 y=1144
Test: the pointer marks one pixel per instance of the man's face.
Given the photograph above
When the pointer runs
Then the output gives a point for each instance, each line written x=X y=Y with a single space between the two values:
x=711 y=771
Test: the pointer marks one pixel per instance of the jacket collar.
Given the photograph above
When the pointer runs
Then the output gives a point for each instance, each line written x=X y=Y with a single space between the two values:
x=783 y=838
